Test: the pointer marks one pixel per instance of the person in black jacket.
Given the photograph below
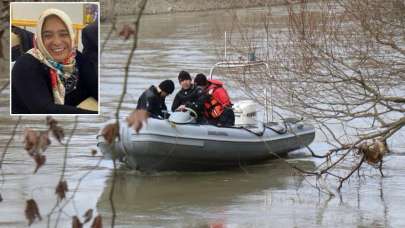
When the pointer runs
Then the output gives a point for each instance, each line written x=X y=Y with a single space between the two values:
x=188 y=96
x=26 y=42
x=90 y=43
x=52 y=77
x=153 y=99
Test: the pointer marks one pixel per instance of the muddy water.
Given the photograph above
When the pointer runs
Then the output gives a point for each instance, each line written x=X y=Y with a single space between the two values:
x=266 y=195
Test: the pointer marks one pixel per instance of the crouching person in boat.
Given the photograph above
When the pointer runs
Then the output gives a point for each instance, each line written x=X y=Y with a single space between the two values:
x=151 y=103
x=217 y=104
x=152 y=100
x=188 y=96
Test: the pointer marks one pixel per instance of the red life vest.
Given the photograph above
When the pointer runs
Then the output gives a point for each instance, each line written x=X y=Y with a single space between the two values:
x=219 y=100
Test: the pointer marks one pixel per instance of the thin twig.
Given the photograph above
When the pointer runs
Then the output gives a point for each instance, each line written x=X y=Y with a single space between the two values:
x=130 y=57
x=110 y=32
x=62 y=175
x=3 y=155
x=357 y=167
x=79 y=181
x=111 y=195
x=141 y=5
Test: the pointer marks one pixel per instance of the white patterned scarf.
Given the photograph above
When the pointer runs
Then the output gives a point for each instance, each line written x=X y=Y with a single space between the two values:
x=59 y=73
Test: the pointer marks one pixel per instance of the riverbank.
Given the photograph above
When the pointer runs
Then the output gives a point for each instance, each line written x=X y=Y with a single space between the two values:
x=127 y=7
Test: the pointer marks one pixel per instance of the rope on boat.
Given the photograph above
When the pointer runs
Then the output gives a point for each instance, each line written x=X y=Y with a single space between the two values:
x=280 y=132
x=253 y=132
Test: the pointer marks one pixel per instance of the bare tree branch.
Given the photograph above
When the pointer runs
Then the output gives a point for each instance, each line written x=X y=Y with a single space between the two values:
x=339 y=64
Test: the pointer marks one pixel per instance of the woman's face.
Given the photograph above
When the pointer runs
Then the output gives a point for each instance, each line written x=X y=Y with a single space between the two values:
x=56 y=38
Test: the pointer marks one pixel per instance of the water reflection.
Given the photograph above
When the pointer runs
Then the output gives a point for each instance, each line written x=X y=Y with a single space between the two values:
x=204 y=198
x=259 y=196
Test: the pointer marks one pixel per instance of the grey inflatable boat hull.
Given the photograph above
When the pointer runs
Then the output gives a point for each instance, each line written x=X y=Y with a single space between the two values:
x=162 y=145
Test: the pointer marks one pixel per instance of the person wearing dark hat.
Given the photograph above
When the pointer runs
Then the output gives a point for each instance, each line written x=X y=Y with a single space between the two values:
x=153 y=99
x=217 y=106
x=188 y=95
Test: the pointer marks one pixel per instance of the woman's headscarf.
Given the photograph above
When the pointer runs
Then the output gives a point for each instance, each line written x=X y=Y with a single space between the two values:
x=63 y=76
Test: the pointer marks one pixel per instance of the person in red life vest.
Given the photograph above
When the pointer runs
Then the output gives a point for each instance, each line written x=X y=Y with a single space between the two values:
x=217 y=104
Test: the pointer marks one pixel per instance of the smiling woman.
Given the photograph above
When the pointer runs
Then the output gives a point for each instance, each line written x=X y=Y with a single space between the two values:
x=53 y=77
x=56 y=38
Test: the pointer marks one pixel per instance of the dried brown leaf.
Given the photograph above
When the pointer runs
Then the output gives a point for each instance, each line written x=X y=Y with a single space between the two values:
x=93 y=152
x=76 y=222
x=97 y=223
x=58 y=133
x=30 y=140
x=32 y=211
x=110 y=132
x=56 y=130
x=39 y=160
x=88 y=215
x=44 y=141
x=138 y=126
x=50 y=121
x=35 y=141
x=61 y=190
x=137 y=118
x=126 y=32
x=373 y=151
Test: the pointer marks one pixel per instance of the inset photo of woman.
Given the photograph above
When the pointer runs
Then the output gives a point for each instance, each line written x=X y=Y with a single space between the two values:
x=54 y=58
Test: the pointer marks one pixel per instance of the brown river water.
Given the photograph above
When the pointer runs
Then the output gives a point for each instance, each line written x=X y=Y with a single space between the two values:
x=265 y=195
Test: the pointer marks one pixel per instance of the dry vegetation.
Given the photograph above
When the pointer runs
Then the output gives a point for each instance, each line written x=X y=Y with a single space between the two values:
x=339 y=64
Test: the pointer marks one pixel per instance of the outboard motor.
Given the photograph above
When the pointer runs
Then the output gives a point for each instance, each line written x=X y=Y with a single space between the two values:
x=245 y=113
